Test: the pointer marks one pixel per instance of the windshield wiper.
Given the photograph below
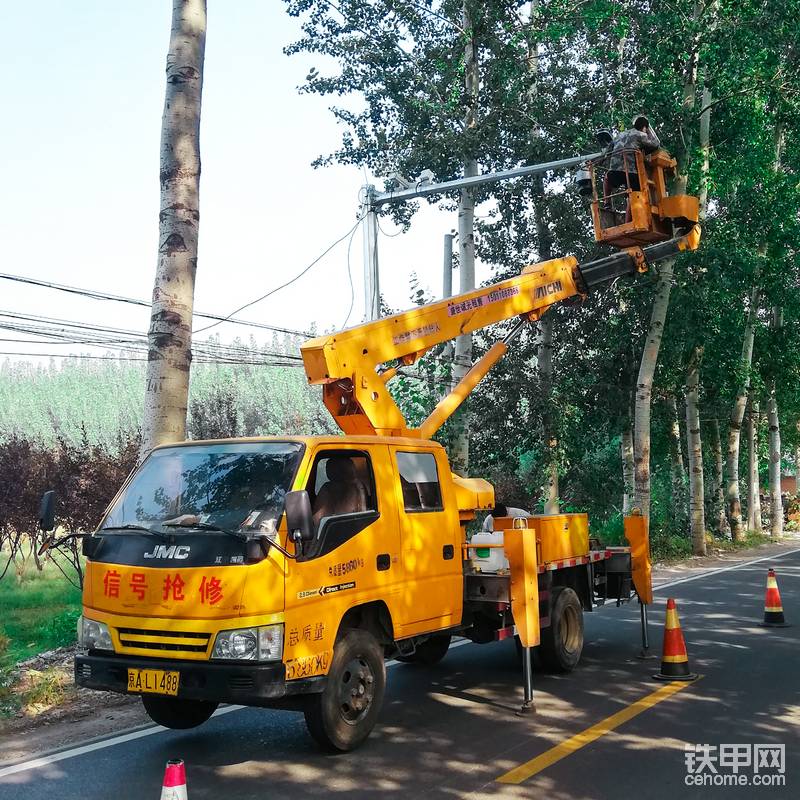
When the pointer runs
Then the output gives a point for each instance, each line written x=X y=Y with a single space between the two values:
x=206 y=526
x=141 y=528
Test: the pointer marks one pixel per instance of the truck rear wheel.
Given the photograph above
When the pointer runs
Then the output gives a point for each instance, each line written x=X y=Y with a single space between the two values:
x=342 y=716
x=177 y=713
x=429 y=652
x=562 y=642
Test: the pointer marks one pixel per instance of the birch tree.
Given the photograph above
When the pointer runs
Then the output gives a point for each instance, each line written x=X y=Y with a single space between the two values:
x=170 y=334
x=753 y=484
x=697 y=520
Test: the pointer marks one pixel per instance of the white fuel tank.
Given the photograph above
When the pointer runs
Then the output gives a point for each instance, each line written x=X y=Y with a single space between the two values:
x=488 y=559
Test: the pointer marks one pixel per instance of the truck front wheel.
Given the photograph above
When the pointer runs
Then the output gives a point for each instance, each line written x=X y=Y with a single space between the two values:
x=342 y=716
x=176 y=713
x=562 y=642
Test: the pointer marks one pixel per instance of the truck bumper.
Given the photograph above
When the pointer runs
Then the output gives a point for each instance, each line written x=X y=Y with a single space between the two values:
x=245 y=684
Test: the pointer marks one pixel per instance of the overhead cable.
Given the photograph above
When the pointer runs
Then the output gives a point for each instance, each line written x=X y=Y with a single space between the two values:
x=287 y=283
x=96 y=295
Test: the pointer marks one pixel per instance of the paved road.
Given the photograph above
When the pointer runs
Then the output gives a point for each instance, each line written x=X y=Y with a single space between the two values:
x=450 y=731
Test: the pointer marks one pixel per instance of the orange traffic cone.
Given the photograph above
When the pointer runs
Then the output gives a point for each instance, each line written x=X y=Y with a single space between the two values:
x=773 y=610
x=674 y=660
x=174 y=785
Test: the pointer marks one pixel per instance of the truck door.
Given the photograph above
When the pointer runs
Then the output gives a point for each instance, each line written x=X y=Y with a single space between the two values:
x=352 y=560
x=432 y=593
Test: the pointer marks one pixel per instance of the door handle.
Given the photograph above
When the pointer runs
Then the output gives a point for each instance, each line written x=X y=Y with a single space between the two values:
x=448 y=551
x=383 y=562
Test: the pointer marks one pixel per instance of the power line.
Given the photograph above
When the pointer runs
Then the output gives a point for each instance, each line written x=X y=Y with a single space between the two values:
x=131 y=358
x=66 y=332
x=96 y=295
x=283 y=285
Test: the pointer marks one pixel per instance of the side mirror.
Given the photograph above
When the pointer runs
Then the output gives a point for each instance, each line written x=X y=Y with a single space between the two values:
x=47 y=512
x=299 y=517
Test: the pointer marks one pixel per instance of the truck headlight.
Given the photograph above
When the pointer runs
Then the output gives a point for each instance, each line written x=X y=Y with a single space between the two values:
x=264 y=643
x=93 y=635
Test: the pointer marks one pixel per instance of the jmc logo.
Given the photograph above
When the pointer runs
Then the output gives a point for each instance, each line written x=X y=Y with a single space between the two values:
x=177 y=551
x=548 y=289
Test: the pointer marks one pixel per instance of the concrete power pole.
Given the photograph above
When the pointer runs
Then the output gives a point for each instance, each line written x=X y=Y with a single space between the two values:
x=369 y=227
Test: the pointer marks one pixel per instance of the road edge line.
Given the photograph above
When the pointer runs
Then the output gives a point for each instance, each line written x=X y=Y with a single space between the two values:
x=709 y=573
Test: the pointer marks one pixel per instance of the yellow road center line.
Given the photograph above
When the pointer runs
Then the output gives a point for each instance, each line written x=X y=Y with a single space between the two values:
x=566 y=748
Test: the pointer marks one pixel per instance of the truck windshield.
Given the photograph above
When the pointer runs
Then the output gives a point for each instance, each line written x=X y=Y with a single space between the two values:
x=235 y=487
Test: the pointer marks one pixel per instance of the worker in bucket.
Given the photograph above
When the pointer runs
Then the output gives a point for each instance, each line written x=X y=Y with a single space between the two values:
x=622 y=163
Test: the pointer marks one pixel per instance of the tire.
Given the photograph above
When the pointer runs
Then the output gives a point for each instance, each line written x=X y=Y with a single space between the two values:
x=562 y=642
x=357 y=673
x=429 y=652
x=177 y=713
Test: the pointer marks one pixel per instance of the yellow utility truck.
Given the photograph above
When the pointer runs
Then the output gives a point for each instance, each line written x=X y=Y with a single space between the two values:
x=283 y=571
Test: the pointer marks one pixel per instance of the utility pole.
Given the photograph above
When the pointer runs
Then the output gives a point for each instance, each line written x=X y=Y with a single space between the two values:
x=369 y=227
x=447 y=274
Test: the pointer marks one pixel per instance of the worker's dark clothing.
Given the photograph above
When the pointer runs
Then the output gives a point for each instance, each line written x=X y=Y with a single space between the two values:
x=623 y=158
x=631 y=140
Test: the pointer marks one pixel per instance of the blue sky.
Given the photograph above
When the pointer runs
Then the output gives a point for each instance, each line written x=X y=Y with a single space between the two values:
x=82 y=95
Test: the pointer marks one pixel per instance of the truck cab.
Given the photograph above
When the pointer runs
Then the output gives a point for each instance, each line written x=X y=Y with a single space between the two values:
x=197 y=593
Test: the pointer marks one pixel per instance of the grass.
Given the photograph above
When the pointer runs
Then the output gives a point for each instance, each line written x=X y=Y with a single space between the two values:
x=37 y=613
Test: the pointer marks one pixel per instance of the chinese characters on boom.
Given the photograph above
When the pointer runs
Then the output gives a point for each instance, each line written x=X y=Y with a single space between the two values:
x=172 y=587
x=735 y=765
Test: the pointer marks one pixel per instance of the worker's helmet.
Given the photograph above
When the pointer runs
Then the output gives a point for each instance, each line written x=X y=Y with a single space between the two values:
x=640 y=122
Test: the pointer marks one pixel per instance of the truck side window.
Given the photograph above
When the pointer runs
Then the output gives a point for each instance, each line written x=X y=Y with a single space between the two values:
x=419 y=481
x=341 y=483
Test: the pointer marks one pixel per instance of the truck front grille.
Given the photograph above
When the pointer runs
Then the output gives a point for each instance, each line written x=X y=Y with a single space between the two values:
x=164 y=641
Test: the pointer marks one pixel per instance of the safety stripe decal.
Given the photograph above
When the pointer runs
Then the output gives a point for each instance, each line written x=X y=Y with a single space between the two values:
x=595 y=555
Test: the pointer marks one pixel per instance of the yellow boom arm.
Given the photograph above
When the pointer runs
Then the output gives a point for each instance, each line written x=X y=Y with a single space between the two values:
x=345 y=363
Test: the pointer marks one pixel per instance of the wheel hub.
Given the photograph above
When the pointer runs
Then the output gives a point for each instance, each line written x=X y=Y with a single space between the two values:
x=356 y=690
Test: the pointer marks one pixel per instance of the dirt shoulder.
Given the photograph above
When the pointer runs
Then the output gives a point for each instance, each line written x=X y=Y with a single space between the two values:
x=53 y=713
x=67 y=716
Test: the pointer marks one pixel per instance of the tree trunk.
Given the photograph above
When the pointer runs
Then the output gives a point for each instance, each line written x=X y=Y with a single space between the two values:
x=735 y=428
x=737 y=414
x=170 y=336
x=697 y=517
x=544 y=238
x=677 y=468
x=776 y=501
x=647 y=366
x=545 y=361
x=720 y=519
x=753 y=487
x=644 y=389
x=466 y=232
x=628 y=468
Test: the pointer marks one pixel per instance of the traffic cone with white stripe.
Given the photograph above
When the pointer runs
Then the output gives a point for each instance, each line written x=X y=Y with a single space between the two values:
x=773 y=609
x=674 y=659
x=174 y=784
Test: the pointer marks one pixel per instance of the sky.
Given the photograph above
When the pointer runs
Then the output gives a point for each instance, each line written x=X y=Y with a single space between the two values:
x=82 y=98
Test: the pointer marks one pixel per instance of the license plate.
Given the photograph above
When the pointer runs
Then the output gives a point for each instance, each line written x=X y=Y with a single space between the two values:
x=153 y=681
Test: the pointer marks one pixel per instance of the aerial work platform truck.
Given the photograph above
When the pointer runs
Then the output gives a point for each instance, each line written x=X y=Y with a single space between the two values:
x=283 y=571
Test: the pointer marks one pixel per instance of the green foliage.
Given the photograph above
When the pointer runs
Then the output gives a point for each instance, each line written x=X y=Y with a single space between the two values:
x=38 y=611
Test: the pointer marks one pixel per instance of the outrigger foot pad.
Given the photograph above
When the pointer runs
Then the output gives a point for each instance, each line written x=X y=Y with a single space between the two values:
x=525 y=709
